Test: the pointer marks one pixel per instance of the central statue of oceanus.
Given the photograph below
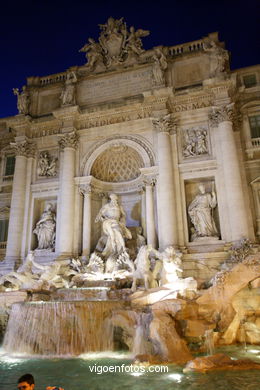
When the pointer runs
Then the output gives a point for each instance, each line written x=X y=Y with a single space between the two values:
x=114 y=227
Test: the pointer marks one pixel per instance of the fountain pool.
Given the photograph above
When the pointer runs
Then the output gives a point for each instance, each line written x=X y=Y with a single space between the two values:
x=75 y=374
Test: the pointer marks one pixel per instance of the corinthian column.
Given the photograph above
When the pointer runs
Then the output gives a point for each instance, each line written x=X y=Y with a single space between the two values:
x=166 y=202
x=23 y=150
x=85 y=190
x=68 y=143
x=149 y=207
x=221 y=118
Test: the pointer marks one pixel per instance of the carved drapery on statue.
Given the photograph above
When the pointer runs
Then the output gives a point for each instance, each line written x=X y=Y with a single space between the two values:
x=45 y=229
x=116 y=46
x=200 y=211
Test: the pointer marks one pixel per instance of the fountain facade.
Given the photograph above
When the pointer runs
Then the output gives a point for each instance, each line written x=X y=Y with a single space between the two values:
x=131 y=223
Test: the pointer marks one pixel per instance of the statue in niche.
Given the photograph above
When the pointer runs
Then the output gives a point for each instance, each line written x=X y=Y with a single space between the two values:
x=195 y=142
x=218 y=57
x=23 y=100
x=45 y=229
x=47 y=166
x=159 y=67
x=200 y=211
x=114 y=227
x=68 y=93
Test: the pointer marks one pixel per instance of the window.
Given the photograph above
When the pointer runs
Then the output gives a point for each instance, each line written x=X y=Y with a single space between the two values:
x=3 y=229
x=9 y=166
x=255 y=126
x=249 y=80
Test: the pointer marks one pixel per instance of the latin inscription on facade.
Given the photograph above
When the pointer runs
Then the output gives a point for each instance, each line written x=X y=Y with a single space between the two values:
x=115 y=86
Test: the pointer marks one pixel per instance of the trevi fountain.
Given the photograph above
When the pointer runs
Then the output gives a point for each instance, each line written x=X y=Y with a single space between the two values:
x=131 y=221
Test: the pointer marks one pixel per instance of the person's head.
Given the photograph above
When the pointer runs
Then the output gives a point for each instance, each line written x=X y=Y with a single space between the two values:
x=113 y=198
x=202 y=189
x=26 y=382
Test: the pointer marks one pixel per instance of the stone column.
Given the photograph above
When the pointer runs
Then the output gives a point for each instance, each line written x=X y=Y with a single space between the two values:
x=68 y=144
x=166 y=204
x=23 y=149
x=143 y=211
x=221 y=118
x=150 y=218
x=86 y=241
x=177 y=187
x=256 y=195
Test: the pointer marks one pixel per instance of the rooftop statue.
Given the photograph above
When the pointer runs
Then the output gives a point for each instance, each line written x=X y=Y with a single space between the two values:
x=23 y=100
x=68 y=93
x=116 y=45
x=218 y=57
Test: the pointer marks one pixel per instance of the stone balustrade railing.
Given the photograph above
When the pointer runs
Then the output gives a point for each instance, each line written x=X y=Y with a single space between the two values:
x=8 y=178
x=256 y=142
x=189 y=47
x=47 y=80
x=3 y=245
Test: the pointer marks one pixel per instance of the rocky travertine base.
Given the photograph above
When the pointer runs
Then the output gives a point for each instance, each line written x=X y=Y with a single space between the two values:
x=220 y=362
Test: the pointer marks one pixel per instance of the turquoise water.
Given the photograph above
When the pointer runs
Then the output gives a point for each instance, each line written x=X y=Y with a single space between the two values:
x=75 y=374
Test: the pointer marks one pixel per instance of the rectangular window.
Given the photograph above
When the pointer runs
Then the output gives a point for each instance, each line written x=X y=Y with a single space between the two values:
x=249 y=80
x=3 y=229
x=255 y=126
x=9 y=166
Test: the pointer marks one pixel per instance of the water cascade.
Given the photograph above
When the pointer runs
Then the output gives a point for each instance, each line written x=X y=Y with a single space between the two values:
x=209 y=342
x=60 y=328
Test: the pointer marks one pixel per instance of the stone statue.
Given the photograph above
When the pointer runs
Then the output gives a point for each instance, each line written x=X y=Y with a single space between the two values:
x=140 y=239
x=23 y=100
x=200 y=211
x=47 y=166
x=113 y=221
x=143 y=268
x=94 y=54
x=218 y=57
x=68 y=93
x=116 y=46
x=159 y=67
x=168 y=268
x=133 y=41
x=45 y=229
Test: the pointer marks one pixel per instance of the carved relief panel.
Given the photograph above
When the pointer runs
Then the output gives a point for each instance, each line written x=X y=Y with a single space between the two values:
x=195 y=142
x=47 y=164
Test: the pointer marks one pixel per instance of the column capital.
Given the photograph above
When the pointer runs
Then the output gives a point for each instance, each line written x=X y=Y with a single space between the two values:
x=149 y=181
x=24 y=148
x=85 y=189
x=69 y=140
x=165 y=124
x=224 y=113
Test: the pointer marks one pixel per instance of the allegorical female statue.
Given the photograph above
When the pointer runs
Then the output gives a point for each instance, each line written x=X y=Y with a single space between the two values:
x=201 y=214
x=112 y=217
x=45 y=229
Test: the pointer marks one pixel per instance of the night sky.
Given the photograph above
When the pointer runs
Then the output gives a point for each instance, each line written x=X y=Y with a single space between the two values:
x=41 y=37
